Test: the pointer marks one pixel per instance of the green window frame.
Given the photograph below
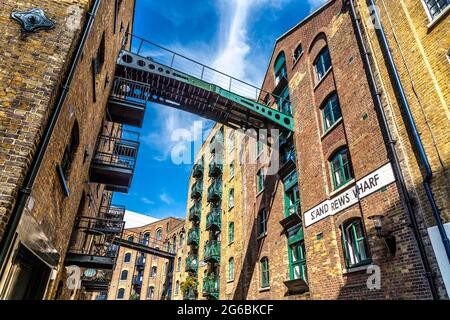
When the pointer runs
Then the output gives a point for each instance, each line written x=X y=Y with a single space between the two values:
x=262 y=223
x=232 y=169
x=231 y=198
x=341 y=169
x=291 y=200
x=259 y=147
x=231 y=232
x=265 y=274
x=260 y=180
x=331 y=111
x=284 y=102
x=354 y=243
x=279 y=68
x=322 y=63
x=297 y=261
x=231 y=269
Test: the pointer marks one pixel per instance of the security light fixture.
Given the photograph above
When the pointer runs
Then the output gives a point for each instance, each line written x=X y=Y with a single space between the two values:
x=389 y=239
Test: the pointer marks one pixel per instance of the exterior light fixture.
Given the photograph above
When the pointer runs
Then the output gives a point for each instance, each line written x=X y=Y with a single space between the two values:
x=389 y=239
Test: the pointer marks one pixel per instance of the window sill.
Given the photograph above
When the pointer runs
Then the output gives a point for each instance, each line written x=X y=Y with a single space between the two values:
x=264 y=289
x=259 y=193
x=345 y=186
x=330 y=128
x=323 y=78
x=356 y=268
x=439 y=17
x=230 y=243
x=261 y=236
x=230 y=280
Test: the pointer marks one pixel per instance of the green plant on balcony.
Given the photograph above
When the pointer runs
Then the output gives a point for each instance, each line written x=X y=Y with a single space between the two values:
x=196 y=191
x=215 y=167
x=189 y=288
x=215 y=191
x=135 y=296
x=195 y=212
x=211 y=286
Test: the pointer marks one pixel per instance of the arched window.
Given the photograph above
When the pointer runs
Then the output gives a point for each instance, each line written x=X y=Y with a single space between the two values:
x=265 y=279
x=341 y=169
x=158 y=234
x=181 y=239
x=70 y=150
x=179 y=264
x=231 y=199
x=153 y=272
x=231 y=269
x=322 y=64
x=146 y=238
x=331 y=111
x=231 y=232
x=124 y=275
x=174 y=244
x=130 y=238
x=354 y=243
x=177 y=287
x=127 y=257
x=262 y=223
x=120 y=293
x=150 y=292
x=279 y=68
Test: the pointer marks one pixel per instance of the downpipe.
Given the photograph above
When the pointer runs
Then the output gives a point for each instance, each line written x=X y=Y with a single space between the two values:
x=394 y=156
x=27 y=186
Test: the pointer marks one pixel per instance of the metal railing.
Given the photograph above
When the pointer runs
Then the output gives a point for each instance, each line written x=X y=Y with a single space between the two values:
x=212 y=250
x=193 y=236
x=115 y=212
x=191 y=263
x=215 y=190
x=213 y=218
x=129 y=90
x=174 y=60
x=211 y=286
x=195 y=212
x=197 y=189
x=142 y=238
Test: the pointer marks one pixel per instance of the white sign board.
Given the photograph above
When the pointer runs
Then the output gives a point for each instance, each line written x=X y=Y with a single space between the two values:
x=362 y=188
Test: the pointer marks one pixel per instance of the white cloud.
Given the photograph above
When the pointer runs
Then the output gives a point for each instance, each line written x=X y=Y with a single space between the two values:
x=134 y=219
x=147 y=200
x=164 y=197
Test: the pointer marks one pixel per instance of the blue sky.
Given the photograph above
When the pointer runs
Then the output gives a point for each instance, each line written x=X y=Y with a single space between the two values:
x=233 y=36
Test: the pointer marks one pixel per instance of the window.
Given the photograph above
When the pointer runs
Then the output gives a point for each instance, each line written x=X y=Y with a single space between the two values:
x=260 y=180
x=259 y=147
x=292 y=200
x=354 y=243
x=297 y=260
x=120 y=293
x=284 y=102
x=179 y=264
x=150 y=292
x=231 y=199
x=298 y=52
x=100 y=56
x=435 y=7
x=181 y=239
x=177 y=287
x=127 y=257
x=70 y=150
x=331 y=111
x=231 y=269
x=262 y=223
x=231 y=232
x=341 y=170
x=265 y=281
x=174 y=244
x=232 y=169
x=322 y=64
x=124 y=275
x=146 y=238
x=158 y=234
x=279 y=68
x=130 y=238
x=153 y=272
x=231 y=140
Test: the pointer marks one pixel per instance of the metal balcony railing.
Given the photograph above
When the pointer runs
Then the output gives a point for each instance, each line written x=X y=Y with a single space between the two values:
x=196 y=190
x=140 y=261
x=215 y=191
x=215 y=167
x=197 y=171
x=114 y=212
x=212 y=251
x=191 y=263
x=211 y=286
x=193 y=236
x=137 y=280
x=213 y=219
x=195 y=212
x=190 y=294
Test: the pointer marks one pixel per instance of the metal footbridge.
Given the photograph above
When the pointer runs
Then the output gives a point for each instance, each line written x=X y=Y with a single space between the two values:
x=147 y=72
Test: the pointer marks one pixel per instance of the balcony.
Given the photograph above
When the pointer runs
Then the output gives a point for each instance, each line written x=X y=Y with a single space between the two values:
x=92 y=243
x=191 y=264
x=195 y=212
x=190 y=294
x=127 y=102
x=215 y=168
x=213 y=219
x=137 y=281
x=193 y=237
x=211 y=287
x=216 y=144
x=113 y=212
x=114 y=161
x=293 y=216
x=140 y=262
x=212 y=251
x=197 y=171
x=97 y=283
x=196 y=190
x=215 y=191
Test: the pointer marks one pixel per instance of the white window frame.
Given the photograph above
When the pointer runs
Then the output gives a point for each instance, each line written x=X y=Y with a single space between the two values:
x=437 y=17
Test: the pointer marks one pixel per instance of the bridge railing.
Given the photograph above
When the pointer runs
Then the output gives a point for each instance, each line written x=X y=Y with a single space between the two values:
x=174 y=60
x=140 y=238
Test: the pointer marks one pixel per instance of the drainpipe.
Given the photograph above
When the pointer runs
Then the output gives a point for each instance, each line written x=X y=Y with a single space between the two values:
x=27 y=186
x=393 y=153
x=415 y=133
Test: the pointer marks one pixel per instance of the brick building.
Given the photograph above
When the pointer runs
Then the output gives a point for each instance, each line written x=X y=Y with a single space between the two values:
x=60 y=152
x=142 y=276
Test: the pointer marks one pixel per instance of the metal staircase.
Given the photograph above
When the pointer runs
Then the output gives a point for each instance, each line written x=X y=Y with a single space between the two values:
x=150 y=73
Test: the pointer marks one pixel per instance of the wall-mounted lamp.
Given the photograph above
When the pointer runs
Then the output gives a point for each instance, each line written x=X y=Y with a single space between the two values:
x=389 y=239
